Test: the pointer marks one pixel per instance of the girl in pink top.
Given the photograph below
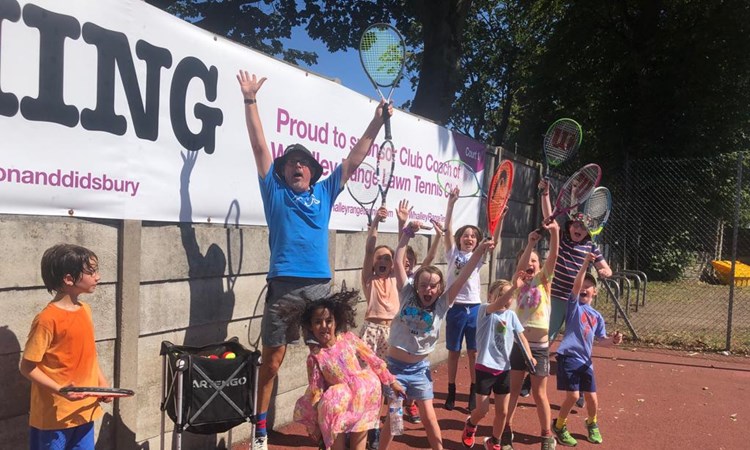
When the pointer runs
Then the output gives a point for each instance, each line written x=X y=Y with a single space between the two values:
x=342 y=395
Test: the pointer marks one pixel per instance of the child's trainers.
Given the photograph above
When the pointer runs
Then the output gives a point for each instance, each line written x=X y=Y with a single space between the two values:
x=467 y=437
x=563 y=435
x=594 y=436
x=549 y=443
x=506 y=440
x=412 y=413
x=489 y=445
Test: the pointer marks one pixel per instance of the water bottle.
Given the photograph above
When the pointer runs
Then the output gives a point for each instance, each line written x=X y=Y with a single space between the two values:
x=396 y=415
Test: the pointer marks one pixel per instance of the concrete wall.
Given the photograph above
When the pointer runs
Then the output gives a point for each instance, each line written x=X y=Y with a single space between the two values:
x=191 y=284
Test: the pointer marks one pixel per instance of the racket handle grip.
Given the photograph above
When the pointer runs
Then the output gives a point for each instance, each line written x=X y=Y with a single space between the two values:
x=387 y=122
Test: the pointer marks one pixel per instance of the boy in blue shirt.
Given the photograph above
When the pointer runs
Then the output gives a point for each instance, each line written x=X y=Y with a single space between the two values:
x=575 y=370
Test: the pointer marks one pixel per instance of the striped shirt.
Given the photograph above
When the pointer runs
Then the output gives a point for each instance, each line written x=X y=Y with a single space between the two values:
x=569 y=261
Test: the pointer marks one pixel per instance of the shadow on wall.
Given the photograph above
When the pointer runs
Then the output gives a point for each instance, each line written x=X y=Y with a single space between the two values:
x=15 y=388
x=105 y=440
x=211 y=303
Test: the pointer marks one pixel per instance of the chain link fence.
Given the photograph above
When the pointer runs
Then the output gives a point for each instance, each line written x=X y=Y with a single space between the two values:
x=676 y=228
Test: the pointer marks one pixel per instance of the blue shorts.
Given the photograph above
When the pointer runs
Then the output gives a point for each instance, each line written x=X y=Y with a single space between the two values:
x=572 y=375
x=460 y=323
x=414 y=378
x=75 y=438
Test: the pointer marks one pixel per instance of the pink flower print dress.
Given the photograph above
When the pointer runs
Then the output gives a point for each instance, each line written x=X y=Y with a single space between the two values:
x=342 y=396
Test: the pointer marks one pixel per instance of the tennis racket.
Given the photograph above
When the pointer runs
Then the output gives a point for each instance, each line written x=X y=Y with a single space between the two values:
x=384 y=168
x=526 y=356
x=363 y=188
x=561 y=142
x=456 y=173
x=596 y=211
x=382 y=53
x=575 y=191
x=500 y=187
x=98 y=391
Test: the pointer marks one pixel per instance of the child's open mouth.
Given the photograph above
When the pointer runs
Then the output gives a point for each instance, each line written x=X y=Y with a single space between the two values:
x=382 y=269
x=530 y=271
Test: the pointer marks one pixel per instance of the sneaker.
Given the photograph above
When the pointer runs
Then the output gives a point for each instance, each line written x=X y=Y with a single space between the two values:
x=549 y=443
x=594 y=436
x=506 y=440
x=526 y=388
x=373 y=439
x=488 y=445
x=467 y=437
x=580 y=402
x=450 y=400
x=563 y=435
x=260 y=443
x=412 y=413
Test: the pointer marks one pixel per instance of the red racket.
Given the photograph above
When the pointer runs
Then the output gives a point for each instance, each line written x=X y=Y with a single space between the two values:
x=98 y=391
x=497 y=199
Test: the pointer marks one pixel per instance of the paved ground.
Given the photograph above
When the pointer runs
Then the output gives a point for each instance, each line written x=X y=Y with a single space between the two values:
x=649 y=399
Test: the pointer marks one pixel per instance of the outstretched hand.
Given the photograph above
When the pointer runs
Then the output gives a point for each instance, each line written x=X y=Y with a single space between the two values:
x=249 y=84
x=403 y=210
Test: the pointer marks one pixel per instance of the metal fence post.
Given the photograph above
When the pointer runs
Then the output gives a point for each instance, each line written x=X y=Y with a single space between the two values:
x=735 y=232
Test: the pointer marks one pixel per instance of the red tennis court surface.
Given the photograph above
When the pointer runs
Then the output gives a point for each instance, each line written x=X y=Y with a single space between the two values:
x=649 y=399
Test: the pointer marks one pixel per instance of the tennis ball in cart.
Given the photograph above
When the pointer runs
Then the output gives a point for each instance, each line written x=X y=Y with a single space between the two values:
x=229 y=355
x=213 y=357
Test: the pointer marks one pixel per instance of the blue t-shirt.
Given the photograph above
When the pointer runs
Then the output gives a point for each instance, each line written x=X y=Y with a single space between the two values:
x=495 y=337
x=298 y=225
x=582 y=324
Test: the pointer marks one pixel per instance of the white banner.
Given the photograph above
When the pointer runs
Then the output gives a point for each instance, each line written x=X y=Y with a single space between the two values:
x=115 y=109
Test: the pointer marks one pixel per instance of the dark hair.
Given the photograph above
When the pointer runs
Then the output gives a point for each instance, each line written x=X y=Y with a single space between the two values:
x=411 y=254
x=432 y=270
x=566 y=230
x=66 y=259
x=343 y=306
x=460 y=232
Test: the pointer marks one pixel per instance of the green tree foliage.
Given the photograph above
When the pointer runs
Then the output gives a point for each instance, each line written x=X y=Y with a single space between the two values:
x=644 y=77
x=260 y=24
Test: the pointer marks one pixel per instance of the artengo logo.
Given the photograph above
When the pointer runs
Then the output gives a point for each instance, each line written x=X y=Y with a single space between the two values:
x=203 y=384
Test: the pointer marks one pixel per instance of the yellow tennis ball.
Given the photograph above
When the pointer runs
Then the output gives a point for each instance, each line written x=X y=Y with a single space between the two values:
x=229 y=355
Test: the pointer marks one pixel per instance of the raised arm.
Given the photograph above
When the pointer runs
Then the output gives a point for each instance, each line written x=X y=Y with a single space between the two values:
x=546 y=202
x=501 y=301
x=578 y=282
x=435 y=244
x=603 y=269
x=409 y=232
x=523 y=260
x=370 y=244
x=465 y=273
x=402 y=212
x=554 y=248
x=249 y=86
x=448 y=226
x=362 y=147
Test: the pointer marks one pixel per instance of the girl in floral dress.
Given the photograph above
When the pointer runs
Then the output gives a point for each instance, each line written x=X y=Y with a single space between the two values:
x=342 y=397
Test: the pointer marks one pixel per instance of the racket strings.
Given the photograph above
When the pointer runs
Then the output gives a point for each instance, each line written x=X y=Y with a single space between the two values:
x=579 y=187
x=499 y=193
x=382 y=53
x=561 y=141
x=363 y=185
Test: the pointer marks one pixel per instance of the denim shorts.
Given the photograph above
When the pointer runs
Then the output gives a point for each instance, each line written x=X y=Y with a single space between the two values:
x=75 y=438
x=572 y=375
x=460 y=323
x=414 y=378
x=274 y=330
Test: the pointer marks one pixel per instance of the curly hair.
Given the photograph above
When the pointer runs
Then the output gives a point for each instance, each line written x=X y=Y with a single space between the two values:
x=343 y=306
x=460 y=232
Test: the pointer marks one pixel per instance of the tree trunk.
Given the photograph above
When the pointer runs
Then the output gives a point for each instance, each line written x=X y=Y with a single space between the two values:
x=443 y=23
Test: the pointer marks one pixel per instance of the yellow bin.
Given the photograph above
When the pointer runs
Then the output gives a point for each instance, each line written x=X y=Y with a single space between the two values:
x=741 y=272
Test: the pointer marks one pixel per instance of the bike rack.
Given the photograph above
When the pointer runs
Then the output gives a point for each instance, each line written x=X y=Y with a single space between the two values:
x=640 y=285
x=624 y=290
x=615 y=299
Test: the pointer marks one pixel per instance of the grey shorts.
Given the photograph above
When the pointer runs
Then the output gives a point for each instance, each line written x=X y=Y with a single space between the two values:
x=274 y=330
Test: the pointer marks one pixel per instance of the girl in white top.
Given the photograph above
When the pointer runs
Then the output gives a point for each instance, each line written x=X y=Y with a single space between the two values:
x=461 y=321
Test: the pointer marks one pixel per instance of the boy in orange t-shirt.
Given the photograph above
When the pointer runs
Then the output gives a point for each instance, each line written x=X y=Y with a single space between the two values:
x=61 y=351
